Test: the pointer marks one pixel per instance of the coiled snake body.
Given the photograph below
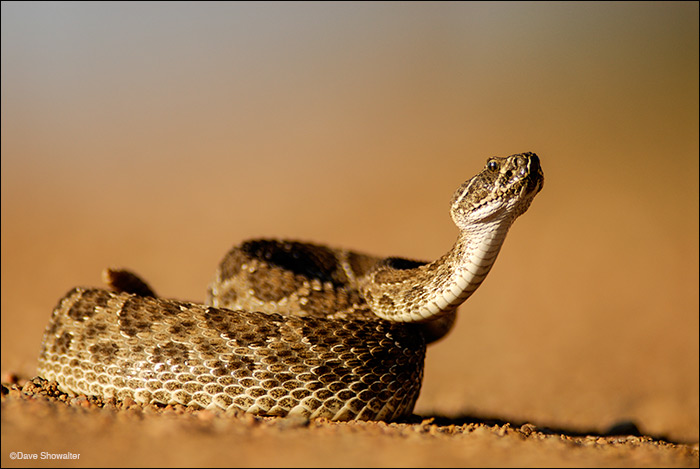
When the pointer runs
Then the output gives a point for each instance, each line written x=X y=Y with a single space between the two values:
x=290 y=328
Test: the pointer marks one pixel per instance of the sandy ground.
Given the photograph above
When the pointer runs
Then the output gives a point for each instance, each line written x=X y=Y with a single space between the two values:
x=157 y=141
x=176 y=436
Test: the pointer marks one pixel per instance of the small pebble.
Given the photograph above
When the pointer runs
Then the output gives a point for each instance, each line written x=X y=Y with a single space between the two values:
x=527 y=429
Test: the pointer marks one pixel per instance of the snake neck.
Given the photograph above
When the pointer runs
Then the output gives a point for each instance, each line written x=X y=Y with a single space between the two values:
x=407 y=291
x=469 y=261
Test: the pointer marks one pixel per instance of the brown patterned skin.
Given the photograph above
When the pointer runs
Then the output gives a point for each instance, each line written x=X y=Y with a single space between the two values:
x=154 y=350
x=292 y=278
x=292 y=328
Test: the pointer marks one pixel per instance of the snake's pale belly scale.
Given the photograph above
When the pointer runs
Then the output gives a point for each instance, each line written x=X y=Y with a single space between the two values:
x=290 y=328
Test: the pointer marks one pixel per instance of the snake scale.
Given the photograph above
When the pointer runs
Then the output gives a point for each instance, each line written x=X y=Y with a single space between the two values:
x=289 y=328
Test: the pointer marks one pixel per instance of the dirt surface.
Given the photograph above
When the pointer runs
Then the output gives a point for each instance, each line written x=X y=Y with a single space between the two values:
x=175 y=435
x=154 y=136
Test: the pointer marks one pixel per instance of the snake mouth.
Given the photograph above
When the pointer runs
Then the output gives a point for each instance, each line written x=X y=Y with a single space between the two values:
x=519 y=193
x=514 y=177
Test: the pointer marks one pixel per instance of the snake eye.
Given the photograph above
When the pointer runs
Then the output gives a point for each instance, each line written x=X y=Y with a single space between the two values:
x=492 y=165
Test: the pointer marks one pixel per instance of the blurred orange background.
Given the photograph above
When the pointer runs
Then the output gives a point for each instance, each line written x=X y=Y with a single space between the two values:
x=156 y=135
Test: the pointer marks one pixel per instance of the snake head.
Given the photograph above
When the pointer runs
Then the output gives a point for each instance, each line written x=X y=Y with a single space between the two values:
x=501 y=192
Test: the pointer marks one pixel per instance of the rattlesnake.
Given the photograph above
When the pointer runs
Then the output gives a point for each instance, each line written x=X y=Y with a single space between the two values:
x=290 y=328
